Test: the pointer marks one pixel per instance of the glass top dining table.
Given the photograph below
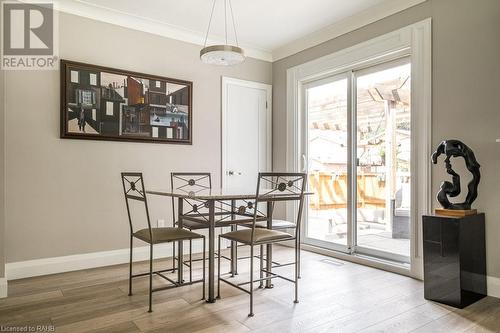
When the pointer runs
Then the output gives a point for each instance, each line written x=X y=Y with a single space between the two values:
x=220 y=207
x=222 y=194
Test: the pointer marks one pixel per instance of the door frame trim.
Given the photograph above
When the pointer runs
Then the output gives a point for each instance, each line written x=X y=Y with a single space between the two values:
x=225 y=82
x=414 y=40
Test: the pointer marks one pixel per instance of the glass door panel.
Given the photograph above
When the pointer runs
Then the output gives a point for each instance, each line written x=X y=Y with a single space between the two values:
x=383 y=150
x=326 y=106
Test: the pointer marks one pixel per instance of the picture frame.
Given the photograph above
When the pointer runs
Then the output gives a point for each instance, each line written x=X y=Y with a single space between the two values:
x=103 y=103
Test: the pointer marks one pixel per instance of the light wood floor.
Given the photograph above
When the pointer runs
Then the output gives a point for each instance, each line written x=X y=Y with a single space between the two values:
x=335 y=296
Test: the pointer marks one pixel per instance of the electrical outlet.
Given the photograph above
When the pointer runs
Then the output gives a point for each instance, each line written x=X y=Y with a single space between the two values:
x=160 y=223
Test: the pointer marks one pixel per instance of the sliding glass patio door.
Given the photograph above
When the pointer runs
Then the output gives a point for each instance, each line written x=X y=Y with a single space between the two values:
x=327 y=154
x=357 y=147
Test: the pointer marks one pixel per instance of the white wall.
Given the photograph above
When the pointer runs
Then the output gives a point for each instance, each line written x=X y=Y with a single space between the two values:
x=64 y=197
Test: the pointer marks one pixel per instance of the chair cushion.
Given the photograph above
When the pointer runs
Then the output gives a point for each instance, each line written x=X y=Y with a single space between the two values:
x=277 y=224
x=192 y=225
x=282 y=224
x=261 y=235
x=163 y=235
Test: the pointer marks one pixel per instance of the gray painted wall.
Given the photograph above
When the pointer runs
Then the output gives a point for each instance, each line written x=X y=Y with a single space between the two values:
x=466 y=84
x=64 y=196
x=2 y=172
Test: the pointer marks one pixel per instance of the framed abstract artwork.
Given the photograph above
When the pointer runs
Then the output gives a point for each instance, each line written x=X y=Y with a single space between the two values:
x=101 y=103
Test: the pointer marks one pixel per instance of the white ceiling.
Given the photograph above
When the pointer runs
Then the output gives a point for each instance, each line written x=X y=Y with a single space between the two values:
x=263 y=26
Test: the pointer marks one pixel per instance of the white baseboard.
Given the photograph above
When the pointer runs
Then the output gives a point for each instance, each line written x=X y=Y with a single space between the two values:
x=3 y=287
x=493 y=284
x=45 y=266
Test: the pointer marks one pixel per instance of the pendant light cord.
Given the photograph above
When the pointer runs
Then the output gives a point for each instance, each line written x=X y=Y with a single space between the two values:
x=209 y=23
x=234 y=25
x=225 y=19
x=225 y=22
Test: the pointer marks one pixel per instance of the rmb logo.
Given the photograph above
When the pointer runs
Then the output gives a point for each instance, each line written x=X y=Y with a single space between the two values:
x=29 y=36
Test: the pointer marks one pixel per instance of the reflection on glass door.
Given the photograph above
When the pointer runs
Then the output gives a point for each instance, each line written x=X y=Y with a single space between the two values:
x=327 y=153
x=383 y=151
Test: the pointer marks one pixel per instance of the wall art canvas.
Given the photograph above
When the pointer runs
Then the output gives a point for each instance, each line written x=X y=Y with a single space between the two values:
x=101 y=103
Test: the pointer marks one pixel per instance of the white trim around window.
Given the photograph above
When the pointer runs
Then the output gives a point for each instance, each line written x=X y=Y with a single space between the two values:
x=413 y=41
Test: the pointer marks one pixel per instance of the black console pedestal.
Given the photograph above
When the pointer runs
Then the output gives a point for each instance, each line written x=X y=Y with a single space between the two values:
x=454 y=259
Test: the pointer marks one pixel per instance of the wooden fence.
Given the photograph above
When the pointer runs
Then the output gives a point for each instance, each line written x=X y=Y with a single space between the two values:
x=330 y=190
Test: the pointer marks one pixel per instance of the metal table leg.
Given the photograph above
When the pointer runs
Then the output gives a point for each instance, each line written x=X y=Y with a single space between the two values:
x=269 y=247
x=234 y=245
x=180 y=275
x=211 y=251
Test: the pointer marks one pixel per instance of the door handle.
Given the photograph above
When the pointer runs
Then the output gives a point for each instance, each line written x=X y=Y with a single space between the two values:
x=232 y=173
x=304 y=163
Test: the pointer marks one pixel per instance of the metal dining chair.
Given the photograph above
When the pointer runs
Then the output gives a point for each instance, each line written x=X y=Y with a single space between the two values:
x=133 y=189
x=191 y=183
x=270 y=187
x=277 y=224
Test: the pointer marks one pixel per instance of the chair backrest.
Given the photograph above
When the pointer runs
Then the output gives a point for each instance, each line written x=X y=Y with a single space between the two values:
x=190 y=183
x=280 y=186
x=133 y=189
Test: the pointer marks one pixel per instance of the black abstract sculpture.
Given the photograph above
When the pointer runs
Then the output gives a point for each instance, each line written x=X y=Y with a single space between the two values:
x=455 y=148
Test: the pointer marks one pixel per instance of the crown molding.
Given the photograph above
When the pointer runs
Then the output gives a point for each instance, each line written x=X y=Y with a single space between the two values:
x=344 y=26
x=140 y=23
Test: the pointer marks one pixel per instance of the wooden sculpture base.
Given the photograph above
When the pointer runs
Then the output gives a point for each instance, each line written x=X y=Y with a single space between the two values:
x=455 y=212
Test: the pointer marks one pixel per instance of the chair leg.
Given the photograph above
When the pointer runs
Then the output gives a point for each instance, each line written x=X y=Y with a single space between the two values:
x=261 y=259
x=190 y=260
x=204 y=257
x=130 y=267
x=150 y=278
x=233 y=256
x=299 y=255
x=173 y=256
x=297 y=265
x=251 y=281
x=236 y=253
x=236 y=258
x=218 y=273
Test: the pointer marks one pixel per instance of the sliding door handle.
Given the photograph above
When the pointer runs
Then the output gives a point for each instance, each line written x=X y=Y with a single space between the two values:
x=304 y=163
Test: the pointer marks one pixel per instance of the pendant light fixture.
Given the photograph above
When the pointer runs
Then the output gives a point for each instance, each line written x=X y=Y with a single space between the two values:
x=226 y=54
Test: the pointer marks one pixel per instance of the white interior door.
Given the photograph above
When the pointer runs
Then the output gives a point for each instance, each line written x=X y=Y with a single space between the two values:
x=246 y=132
